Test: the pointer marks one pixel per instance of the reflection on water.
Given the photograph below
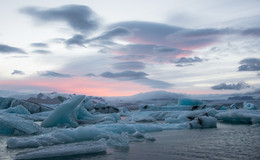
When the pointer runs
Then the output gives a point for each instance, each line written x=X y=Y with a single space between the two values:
x=223 y=143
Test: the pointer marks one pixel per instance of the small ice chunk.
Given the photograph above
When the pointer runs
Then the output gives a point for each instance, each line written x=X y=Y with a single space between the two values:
x=137 y=134
x=149 y=137
x=119 y=141
x=64 y=150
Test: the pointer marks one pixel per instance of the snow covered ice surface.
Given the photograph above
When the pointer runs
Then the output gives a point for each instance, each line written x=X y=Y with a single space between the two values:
x=76 y=127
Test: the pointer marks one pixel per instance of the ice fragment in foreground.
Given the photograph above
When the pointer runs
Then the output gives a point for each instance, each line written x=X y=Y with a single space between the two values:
x=14 y=125
x=64 y=150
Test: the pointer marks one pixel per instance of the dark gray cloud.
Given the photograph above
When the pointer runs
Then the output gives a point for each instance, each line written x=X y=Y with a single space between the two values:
x=129 y=57
x=40 y=45
x=54 y=74
x=126 y=75
x=17 y=72
x=90 y=75
x=137 y=77
x=77 y=40
x=79 y=17
x=167 y=35
x=152 y=52
x=41 y=51
x=249 y=64
x=183 y=61
x=5 y=49
x=235 y=86
x=132 y=65
x=189 y=60
x=113 y=33
x=251 y=32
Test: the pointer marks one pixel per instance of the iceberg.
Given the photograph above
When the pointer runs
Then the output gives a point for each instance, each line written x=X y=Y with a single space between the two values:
x=5 y=102
x=240 y=116
x=189 y=102
x=11 y=124
x=17 y=110
x=86 y=133
x=63 y=115
x=31 y=107
x=203 y=122
x=249 y=106
x=64 y=150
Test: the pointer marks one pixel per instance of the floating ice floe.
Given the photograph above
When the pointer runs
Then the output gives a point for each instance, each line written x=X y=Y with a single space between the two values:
x=87 y=133
x=64 y=150
x=240 y=116
x=11 y=124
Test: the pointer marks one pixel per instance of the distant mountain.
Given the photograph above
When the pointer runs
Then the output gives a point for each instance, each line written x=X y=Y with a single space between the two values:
x=154 y=95
x=241 y=98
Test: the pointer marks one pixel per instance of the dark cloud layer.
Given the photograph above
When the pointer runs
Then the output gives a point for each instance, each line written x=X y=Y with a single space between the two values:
x=79 y=17
x=17 y=72
x=249 y=64
x=5 y=49
x=132 y=65
x=151 y=52
x=113 y=33
x=183 y=61
x=137 y=77
x=77 y=40
x=40 y=45
x=41 y=51
x=54 y=74
x=235 y=86
x=166 y=35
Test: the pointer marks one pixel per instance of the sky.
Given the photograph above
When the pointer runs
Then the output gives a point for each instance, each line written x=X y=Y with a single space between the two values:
x=122 y=47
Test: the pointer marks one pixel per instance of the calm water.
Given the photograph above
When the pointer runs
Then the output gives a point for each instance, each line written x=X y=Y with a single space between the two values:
x=223 y=143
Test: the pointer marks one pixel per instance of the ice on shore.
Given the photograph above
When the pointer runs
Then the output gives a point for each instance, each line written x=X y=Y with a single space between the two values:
x=11 y=124
x=64 y=150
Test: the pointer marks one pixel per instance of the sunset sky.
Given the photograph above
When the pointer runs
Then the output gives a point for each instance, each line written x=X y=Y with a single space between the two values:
x=124 y=47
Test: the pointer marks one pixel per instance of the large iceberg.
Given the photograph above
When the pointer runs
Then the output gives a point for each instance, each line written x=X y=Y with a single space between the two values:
x=64 y=150
x=63 y=114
